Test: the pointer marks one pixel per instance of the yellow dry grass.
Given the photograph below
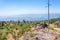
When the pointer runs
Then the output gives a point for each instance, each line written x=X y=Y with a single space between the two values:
x=52 y=26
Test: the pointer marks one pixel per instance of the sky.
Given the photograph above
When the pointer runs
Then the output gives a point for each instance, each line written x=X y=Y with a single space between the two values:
x=18 y=7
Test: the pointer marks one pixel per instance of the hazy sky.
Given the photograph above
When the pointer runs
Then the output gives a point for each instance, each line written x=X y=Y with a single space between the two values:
x=17 y=7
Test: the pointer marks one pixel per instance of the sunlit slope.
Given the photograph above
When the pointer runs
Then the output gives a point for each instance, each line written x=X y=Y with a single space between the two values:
x=54 y=27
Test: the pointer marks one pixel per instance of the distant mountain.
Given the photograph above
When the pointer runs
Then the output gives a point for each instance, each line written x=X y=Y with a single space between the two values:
x=29 y=17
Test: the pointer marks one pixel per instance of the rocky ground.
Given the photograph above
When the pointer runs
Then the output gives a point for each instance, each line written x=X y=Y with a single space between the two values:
x=38 y=33
x=43 y=35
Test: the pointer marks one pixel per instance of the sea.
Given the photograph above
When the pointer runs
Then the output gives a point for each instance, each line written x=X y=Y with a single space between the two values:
x=29 y=17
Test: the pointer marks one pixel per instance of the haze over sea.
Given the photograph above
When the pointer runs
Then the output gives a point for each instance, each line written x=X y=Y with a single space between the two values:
x=29 y=10
x=29 y=17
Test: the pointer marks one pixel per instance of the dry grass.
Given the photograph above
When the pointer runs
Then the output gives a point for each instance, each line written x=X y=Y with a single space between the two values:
x=52 y=26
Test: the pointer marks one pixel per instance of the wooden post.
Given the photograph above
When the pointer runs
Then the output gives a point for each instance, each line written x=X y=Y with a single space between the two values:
x=48 y=14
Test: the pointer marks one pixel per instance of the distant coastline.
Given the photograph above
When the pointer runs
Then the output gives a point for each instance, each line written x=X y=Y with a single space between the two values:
x=29 y=17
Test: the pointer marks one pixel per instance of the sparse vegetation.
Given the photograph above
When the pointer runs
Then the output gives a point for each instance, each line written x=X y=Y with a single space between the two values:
x=18 y=28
